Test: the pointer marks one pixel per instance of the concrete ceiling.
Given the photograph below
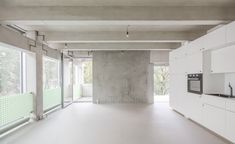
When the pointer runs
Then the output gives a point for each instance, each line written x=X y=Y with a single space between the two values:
x=102 y=24
x=117 y=2
x=116 y=28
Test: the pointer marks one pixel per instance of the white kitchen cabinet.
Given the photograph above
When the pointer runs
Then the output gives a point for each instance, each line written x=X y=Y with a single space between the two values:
x=214 y=114
x=222 y=60
x=215 y=38
x=214 y=101
x=231 y=126
x=214 y=118
x=177 y=61
x=231 y=120
x=194 y=62
x=196 y=45
x=195 y=56
x=194 y=110
x=230 y=32
x=173 y=93
x=178 y=89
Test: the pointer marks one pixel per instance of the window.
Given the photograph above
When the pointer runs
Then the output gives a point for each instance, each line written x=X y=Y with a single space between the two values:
x=10 y=71
x=15 y=104
x=87 y=72
x=50 y=73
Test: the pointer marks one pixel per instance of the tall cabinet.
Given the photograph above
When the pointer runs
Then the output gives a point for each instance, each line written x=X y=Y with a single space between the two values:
x=212 y=55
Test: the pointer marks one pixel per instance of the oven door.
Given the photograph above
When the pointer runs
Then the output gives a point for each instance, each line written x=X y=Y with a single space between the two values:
x=195 y=86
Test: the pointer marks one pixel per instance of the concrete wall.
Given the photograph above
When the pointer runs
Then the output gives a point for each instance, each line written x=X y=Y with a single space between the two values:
x=122 y=77
x=159 y=57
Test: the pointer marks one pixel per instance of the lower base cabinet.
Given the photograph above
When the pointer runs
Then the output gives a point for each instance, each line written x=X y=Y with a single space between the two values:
x=214 y=119
x=231 y=126
x=194 y=107
x=216 y=114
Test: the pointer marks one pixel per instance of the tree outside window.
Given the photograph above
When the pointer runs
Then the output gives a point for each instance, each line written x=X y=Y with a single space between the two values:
x=87 y=72
x=161 y=80
x=50 y=73
x=10 y=71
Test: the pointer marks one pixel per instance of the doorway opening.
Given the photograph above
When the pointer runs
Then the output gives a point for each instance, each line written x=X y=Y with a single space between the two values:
x=83 y=80
x=161 y=84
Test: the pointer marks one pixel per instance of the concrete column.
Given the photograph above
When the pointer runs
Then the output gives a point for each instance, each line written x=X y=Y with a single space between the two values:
x=150 y=91
x=62 y=79
x=39 y=84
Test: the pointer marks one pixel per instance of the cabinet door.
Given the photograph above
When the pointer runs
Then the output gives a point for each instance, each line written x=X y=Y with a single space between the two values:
x=173 y=91
x=214 y=119
x=194 y=107
x=230 y=32
x=215 y=38
x=231 y=126
x=178 y=92
x=194 y=62
x=222 y=60
x=182 y=93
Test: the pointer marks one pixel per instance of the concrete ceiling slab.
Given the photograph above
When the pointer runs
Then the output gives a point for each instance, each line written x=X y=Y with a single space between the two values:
x=116 y=28
x=117 y=2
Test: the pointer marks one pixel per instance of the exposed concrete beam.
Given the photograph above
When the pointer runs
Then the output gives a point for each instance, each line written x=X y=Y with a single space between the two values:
x=122 y=46
x=190 y=13
x=112 y=37
x=13 y=39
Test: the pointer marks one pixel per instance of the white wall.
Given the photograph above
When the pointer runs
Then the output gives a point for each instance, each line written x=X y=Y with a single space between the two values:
x=229 y=77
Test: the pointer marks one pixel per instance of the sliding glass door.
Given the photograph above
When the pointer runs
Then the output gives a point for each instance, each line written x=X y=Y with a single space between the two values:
x=68 y=80
x=51 y=84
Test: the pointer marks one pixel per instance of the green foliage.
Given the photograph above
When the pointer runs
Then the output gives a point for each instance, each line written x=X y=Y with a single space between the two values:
x=50 y=73
x=161 y=80
x=9 y=71
x=87 y=72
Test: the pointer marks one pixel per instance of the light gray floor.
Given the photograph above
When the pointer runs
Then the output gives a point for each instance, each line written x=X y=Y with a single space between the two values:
x=84 y=99
x=86 y=123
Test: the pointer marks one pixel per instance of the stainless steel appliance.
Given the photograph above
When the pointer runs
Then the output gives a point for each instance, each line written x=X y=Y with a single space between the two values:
x=195 y=83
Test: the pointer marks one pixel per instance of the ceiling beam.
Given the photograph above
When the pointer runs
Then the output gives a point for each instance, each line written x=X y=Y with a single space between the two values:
x=120 y=36
x=121 y=46
x=163 y=14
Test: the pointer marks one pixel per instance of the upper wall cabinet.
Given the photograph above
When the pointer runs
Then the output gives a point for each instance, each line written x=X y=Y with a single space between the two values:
x=197 y=45
x=194 y=56
x=230 y=32
x=222 y=60
x=215 y=38
x=194 y=63
x=178 y=60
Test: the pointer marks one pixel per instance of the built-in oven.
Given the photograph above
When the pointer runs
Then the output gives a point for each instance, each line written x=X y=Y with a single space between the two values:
x=195 y=83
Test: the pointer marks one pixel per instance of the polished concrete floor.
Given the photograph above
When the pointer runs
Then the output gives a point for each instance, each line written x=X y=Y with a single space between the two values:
x=86 y=123
x=84 y=99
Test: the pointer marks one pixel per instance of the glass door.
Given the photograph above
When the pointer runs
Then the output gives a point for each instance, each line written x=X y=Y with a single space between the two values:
x=68 y=80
